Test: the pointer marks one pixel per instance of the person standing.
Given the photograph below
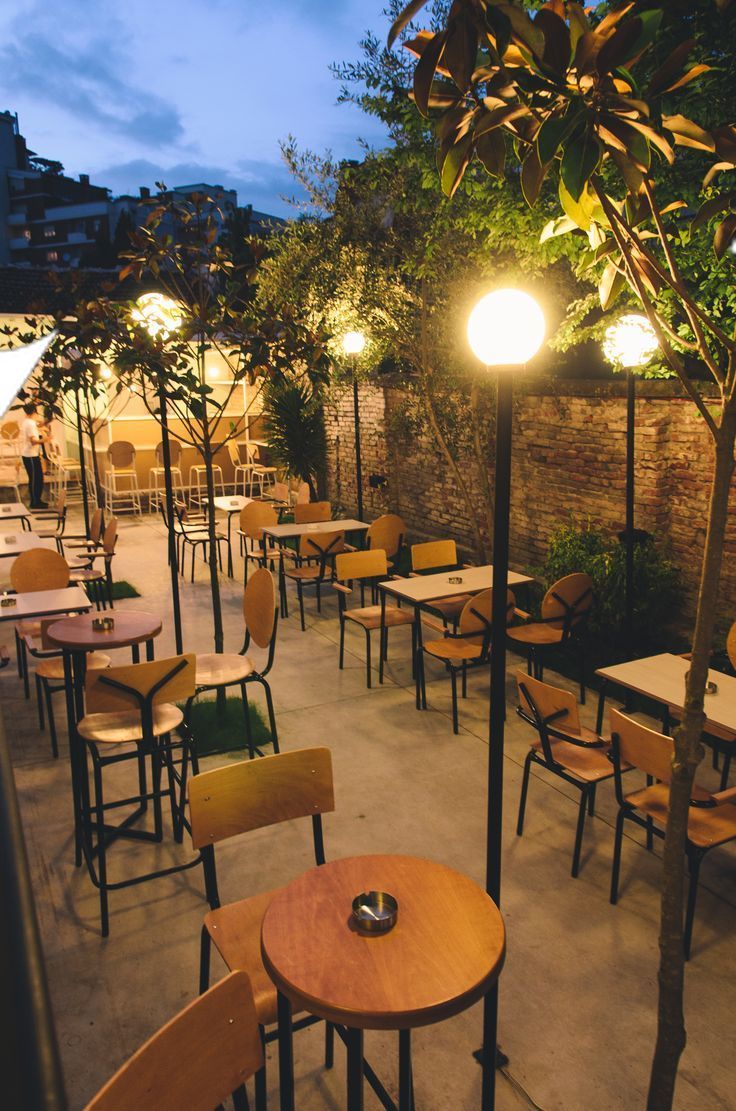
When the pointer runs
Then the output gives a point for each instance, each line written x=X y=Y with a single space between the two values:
x=31 y=439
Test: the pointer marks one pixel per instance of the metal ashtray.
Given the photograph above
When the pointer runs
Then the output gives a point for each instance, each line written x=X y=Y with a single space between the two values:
x=375 y=912
x=235 y=503
x=711 y=688
x=103 y=624
x=455 y=579
x=6 y=509
x=11 y=539
x=8 y=600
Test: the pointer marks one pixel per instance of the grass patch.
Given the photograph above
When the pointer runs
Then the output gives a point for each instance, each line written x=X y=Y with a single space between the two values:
x=213 y=735
x=123 y=589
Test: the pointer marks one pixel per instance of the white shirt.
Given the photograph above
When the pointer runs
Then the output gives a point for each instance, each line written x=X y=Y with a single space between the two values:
x=29 y=433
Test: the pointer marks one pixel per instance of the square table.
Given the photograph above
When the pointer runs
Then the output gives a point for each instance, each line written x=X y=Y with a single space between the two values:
x=422 y=590
x=15 y=511
x=281 y=533
x=32 y=604
x=13 y=543
x=230 y=505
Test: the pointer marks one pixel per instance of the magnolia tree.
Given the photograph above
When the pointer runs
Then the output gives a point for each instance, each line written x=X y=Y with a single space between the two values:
x=554 y=96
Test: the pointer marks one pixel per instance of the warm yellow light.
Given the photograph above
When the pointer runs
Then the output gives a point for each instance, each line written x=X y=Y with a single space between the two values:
x=353 y=343
x=105 y=372
x=630 y=342
x=506 y=328
x=159 y=315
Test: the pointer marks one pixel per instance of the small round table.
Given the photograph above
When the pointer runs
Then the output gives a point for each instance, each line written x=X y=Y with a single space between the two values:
x=444 y=954
x=75 y=636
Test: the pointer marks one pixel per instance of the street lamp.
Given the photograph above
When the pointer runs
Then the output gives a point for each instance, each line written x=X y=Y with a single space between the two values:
x=629 y=344
x=353 y=344
x=505 y=329
x=161 y=316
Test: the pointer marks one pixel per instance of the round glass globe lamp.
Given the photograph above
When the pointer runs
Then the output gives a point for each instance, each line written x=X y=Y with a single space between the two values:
x=506 y=328
x=158 y=314
x=353 y=343
x=630 y=342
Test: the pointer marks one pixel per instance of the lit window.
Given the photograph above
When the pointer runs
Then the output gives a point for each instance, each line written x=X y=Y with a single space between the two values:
x=52 y=256
x=49 y=231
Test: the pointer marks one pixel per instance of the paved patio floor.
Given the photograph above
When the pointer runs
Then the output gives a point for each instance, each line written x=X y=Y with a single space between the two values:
x=578 y=992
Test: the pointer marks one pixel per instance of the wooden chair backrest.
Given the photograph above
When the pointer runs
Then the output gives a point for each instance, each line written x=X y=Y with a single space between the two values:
x=573 y=591
x=433 y=553
x=196 y=1060
x=303 y=494
x=259 y=606
x=95 y=526
x=252 y=794
x=314 y=544
x=101 y=698
x=731 y=645
x=10 y=430
x=646 y=749
x=280 y=491
x=253 y=453
x=234 y=453
x=121 y=453
x=548 y=700
x=174 y=452
x=476 y=613
x=387 y=532
x=371 y=564
x=60 y=507
x=46 y=645
x=307 y=513
x=255 y=516
x=110 y=536
x=39 y=569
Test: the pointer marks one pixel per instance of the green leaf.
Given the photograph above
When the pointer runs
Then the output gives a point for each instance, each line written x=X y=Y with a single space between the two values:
x=559 y=226
x=611 y=283
x=689 y=134
x=724 y=235
x=532 y=176
x=523 y=30
x=711 y=208
x=618 y=47
x=488 y=121
x=406 y=17
x=549 y=137
x=671 y=69
x=461 y=51
x=650 y=22
x=455 y=164
x=491 y=150
x=581 y=210
x=425 y=70
x=579 y=162
x=556 y=41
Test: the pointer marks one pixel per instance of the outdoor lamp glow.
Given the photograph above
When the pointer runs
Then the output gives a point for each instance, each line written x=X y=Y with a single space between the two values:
x=353 y=343
x=630 y=342
x=506 y=328
x=158 y=314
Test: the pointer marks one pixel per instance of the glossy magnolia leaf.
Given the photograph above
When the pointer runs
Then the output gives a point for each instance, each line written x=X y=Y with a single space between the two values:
x=557 y=48
x=522 y=28
x=609 y=21
x=672 y=207
x=580 y=160
x=611 y=283
x=455 y=164
x=725 y=138
x=713 y=207
x=578 y=21
x=550 y=135
x=560 y=226
x=425 y=70
x=717 y=168
x=650 y=22
x=497 y=117
x=499 y=28
x=686 y=78
x=532 y=176
x=405 y=18
x=491 y=150
x=586 y=52
x=724 y=235
x=689 y=134
x=618 y=47
x=581 y=210
x=416 y=46
x=461 y=51
x=655 y=138
x=672 y=68
x=441 y=96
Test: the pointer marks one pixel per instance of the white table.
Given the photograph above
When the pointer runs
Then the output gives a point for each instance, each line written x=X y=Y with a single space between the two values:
x=32 y=604
x=15 y=511
x=422 y=590
x=13 y=543
x=282 y=533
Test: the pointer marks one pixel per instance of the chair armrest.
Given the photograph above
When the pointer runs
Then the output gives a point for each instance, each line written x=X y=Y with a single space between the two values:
x=341 y=588
x=523 y=614
x=434 y=625
x=467 y=566
x=723 y=797
x=397 y=576
x=414 y=575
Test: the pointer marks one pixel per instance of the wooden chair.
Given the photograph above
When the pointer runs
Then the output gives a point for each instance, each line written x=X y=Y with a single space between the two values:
x=312 y=562
x=312 y=512
x=712 y=817
x=78 y=542
x=135 y=706
x=387 y=533
x=58 y=515
x=261 y=473
x=254 y=517
x=98 y=580
x=368 y=567
x=195 y=534
x=216 y=671
x=301 y=494
x=236 y=799
x=157 y=474
x=241 y=471
x=197 y=1060
x=565 y=607
x=121 y=478
x=431 y=557
x=37 y=569
x=563 y=747
x=469 y=647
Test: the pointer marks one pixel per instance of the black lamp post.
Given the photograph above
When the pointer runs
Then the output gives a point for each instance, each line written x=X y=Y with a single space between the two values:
x=629 y=344
x=353 y=343
x=505 y=330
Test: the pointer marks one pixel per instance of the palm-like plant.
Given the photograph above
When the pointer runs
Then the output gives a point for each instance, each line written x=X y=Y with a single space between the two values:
x=295 y=428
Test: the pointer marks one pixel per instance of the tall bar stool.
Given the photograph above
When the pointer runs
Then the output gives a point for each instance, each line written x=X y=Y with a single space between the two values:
x=198 y=483
x=261 y=474
x=157 y=475
x=121 y=478
x=98 y=580
x=241 y=471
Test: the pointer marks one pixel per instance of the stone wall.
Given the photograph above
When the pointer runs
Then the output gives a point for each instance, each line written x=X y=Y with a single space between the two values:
x=569 y=443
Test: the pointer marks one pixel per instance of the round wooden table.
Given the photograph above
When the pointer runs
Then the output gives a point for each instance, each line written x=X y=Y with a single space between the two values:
x=444 y=954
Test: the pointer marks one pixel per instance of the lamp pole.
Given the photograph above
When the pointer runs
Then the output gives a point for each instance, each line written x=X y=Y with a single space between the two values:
x=169 y=493
x=505 y=330
x=630 y=450
x=82 y=465
x=353 y=343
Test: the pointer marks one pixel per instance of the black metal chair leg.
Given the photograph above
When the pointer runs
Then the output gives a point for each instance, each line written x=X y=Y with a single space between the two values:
x=368 y=658
x=453 y=683
x=329 y=1045
x=591 y=799
x=300 y=593
x=39 y=702
x=101 y=848
x=205 y=951
x=618 y=837
x=406 y=1086
x=51 y=718
x=726 y=770
x=271 y=714
x=579 y=833
x=342 y=644
x=524 y=790
x=248 y=726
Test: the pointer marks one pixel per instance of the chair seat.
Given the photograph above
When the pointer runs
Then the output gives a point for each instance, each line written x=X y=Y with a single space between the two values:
x=235 y=930
x=535 y=634
x=369 y=617
x=53 y=668
x=454 y=651
x=589 y=764
x=30 y=628
x=705 y=827
x=220 y=670
x=85 y=574
x=125 y=725
x=307 y=572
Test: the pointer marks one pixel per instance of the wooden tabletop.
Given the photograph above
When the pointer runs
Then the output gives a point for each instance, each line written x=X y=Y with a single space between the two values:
x=426 y=588
x=11 y=511
x=286 y=532
x=232 y=504
x=45 y=603
x=13 y=543
x=444 y=953
x=131 y=627
x=663 y=679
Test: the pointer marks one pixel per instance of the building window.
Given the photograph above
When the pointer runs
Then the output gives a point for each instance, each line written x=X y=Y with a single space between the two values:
x=52 y=256
x=49 y=231
x=27 y=233
x=96 y=225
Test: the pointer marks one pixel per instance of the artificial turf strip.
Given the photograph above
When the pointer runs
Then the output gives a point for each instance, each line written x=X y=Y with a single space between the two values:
x=123 y=589
x=228 y=735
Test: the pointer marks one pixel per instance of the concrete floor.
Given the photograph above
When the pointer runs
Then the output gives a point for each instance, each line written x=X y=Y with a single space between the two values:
x=578 y=992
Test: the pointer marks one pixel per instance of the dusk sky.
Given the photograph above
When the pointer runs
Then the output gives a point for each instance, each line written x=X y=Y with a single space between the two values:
x=182 y=91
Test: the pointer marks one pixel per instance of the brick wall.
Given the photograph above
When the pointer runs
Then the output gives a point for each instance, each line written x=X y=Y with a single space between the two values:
x=569 y=444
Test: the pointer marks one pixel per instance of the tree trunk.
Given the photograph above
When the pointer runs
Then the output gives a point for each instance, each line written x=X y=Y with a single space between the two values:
x=671 y=1034
x=207 y=455
x=482 y=462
